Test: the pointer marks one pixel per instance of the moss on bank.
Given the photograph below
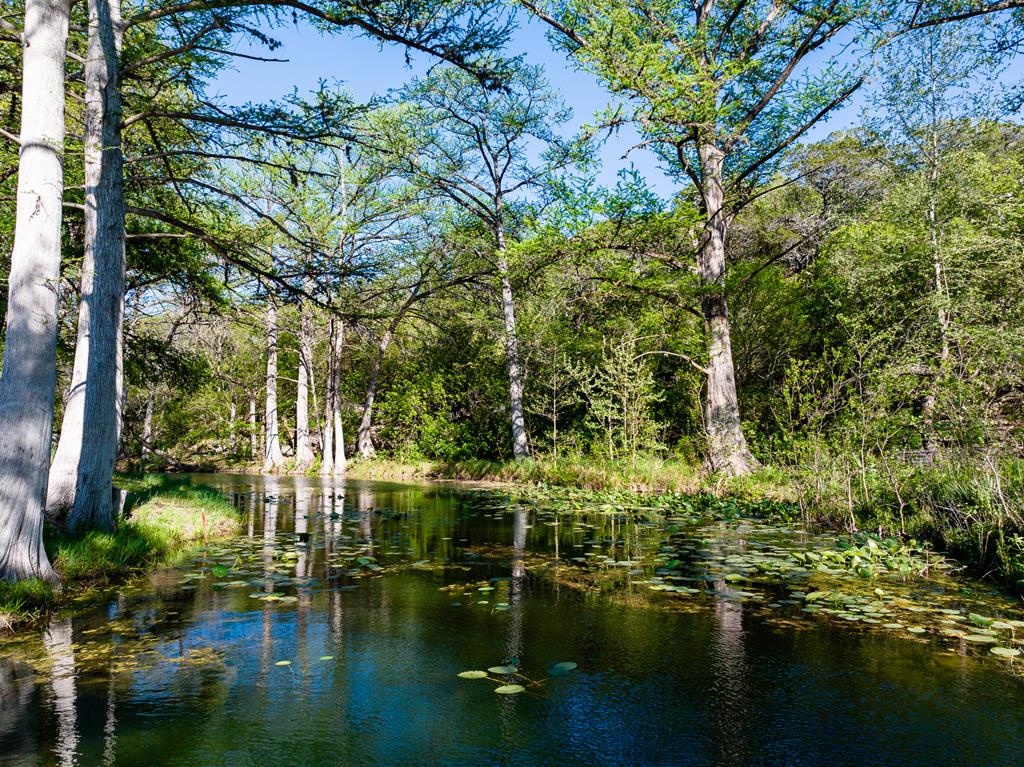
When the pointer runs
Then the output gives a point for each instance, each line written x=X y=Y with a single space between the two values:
x=164 y=521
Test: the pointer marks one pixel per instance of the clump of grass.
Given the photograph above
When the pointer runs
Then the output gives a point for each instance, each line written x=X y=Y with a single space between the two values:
x=379 y=468
x=164 y=520
x=23 y=599
x=646 y=475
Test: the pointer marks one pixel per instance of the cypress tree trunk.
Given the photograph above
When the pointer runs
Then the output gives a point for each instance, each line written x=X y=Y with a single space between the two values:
x=232 y=418
x=81 y=476
x=337 y=346
x=727 y=447
x=273 y=458
x=365 y=437
x=327 y=459
x=303 y=451
x=520 y=442
x=28 y=380
x=147 y=428
x=254 y=434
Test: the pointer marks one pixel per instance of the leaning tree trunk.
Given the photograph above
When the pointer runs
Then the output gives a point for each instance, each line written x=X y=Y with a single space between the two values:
x=303 y=450
x=81 y=476
x=364 y=442
x=520 y=442
x=727 y=447
x=273 y=458
x=29 y=377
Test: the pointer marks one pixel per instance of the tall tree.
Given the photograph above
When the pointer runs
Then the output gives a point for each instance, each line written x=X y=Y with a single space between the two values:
x=924 y=103
x=28 y=380
x=273 y=457
x=720 y=89
x=81 y=475
x=480 y=148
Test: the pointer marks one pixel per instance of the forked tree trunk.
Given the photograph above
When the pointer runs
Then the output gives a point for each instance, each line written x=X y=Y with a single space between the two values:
x=727 y=447
x=273 y=458
x=303 y=450
x=520 y=442
x=28 y=380
x=81 y=477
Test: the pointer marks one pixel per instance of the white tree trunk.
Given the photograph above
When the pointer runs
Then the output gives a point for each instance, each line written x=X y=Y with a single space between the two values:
x=520 y=441
x=254 y=434
x=337 y=348
x=327 y=444
x=147 y=428
x=232 y=434
x=273 y=458
x=303 y=450
x=81 y=480
x=727 y=447
x=28 y=380
x=365 y=437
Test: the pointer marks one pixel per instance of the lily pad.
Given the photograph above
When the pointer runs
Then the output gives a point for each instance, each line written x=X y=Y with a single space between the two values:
x=1005 y=652
x=283 y=663
x=509 y=689
x=503 y=669
x=560 y=669
x=472 y=674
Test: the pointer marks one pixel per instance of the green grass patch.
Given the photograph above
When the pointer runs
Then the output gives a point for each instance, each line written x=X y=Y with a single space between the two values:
x=165 y=520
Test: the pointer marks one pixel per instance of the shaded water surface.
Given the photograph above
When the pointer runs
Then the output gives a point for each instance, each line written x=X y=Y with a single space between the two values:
x=333 y=630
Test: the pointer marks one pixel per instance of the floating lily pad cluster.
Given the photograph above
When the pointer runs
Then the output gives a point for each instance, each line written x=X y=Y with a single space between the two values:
x=511 y=681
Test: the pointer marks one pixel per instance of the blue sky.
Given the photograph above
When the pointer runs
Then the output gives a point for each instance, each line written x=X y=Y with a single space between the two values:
x=365 y=68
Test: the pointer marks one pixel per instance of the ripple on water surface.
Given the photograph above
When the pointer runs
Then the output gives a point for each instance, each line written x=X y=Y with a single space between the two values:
x=336 y=628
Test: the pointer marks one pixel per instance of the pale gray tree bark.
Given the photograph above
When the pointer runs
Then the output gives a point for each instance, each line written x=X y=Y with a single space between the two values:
x=254 y=434
x=81 y=476
x=364 y=441
x=303 y=449
x=727 y=447
x=232 y=433
x=520 y=441
x=147 y=428
x=327 y=444
x=334 y=461
x=29 y=378
x=338 y=341
x=273 y=458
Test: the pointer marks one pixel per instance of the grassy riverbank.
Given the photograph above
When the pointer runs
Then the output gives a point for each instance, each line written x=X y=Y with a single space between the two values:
x=646 y=475
x=972 y=510
x=165 y=520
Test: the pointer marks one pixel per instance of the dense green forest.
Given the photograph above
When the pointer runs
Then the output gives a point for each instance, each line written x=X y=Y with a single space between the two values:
x=446 y=274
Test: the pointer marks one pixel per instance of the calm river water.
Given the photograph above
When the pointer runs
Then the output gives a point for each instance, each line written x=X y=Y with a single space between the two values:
x=332 y=632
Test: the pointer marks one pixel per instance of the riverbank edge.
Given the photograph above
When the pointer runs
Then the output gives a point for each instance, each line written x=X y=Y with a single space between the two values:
x=967 y=513
x=166 y=519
